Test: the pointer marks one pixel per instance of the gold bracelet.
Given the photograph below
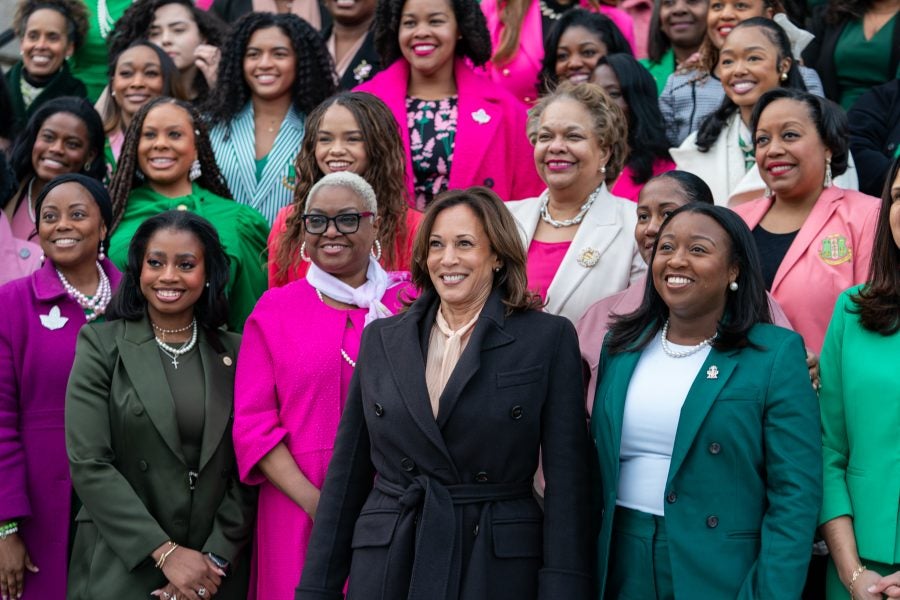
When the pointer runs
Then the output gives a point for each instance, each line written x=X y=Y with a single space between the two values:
x=165 y=555
x=853 y=577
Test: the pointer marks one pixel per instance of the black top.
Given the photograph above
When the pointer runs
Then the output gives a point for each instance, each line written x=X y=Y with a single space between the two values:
x=772 y=247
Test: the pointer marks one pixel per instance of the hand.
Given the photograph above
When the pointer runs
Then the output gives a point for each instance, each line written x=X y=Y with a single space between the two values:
x=861 y=587
x=812 y=363
x=889 y=585
x=189 y=571
x=206 y=59
x=312 y=504
x=169 y=592
x=14 y=560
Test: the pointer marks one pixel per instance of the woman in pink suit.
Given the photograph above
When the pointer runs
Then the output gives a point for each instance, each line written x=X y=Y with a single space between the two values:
x=297 y=357
x=441 y=104
x=39 y=324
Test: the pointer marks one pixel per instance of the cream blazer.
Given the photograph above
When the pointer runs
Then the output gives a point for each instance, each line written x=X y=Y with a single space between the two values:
x=607 y=234
x=722 y=168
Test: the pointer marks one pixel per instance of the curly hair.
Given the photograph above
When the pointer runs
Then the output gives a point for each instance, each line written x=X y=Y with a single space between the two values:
x=135 y=25
x=314 y=76
x=386 y=173
x=128 y=176
x=74 y=11
x=610 y=125
x=474 y=42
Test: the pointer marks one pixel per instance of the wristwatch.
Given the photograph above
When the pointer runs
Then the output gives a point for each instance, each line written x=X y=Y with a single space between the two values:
x=218 y=561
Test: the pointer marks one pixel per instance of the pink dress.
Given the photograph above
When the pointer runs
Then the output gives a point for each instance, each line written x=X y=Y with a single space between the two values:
x=290 y=387
x=543 y=262
x=625 y=187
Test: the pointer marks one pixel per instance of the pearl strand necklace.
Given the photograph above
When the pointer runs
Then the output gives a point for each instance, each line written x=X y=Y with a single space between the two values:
x=97 y=304
x=682 y=353
x=344 y=354
x=174 y=353
x=545 y=210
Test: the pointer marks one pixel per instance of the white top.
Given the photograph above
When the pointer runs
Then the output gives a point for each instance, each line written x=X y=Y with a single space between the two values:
x=656 y=393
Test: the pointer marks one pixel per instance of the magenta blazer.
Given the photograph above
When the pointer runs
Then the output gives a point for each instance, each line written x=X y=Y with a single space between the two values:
x=520 y=74
x=491 y=147
x=35 y=361
x=831 y=253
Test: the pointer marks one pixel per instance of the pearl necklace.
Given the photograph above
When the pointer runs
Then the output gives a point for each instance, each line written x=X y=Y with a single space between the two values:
x=97 y=304
x=549 y=12
x=104 y=19
x=31 y=214
x=170 y=331
x=682 y=353
x=577 y=219
x=344 y=354
x=174 y=353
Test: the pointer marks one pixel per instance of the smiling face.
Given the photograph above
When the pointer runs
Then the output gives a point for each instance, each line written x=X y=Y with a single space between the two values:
x=270 y=64
x=428 y=34
x=789 y=150
x=137 y=80
x=894 y=215
x=340 y=145
x=749 y=66
x=684 y=21
x=461 y=261
x=351 y=12
x=692 y=266
x=577 y=54
x=659 y=198
x=173 y=275
x=166 y=149
x=46 y=42
x=175 y=31
x=70 y=226
x=61 y=146
x=724 y=15
x=605 y=77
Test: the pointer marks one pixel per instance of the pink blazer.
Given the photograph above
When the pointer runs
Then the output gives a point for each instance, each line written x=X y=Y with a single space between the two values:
x=520 y=74
x=831 y=253
x=18 y=258
x=491 y=147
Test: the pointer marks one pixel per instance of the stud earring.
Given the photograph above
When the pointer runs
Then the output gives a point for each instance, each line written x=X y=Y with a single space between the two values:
x=828 y=180
x=376 y=250
x=784 y=76
x=102 y=254
x=603 y=169
x=207 y=284
x=195 y=171
x=87 y=166
x=43 y=258
x=733 y=286
x=303 y=255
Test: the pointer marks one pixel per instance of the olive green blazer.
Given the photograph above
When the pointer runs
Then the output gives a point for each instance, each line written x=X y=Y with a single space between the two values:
x=745 y=481
x=129 y=471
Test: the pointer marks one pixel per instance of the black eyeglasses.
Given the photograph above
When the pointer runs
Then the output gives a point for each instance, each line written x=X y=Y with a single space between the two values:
x=344 y=222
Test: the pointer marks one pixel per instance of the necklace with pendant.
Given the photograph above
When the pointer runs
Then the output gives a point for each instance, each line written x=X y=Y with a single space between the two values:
x=174 y=353
x=344 y=354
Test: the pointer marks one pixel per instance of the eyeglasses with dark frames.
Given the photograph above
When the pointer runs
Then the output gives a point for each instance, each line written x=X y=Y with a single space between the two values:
x=317 y=224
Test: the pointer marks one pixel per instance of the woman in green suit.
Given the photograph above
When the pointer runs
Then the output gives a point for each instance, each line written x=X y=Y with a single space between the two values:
x=860 y=399
x=148 y=428
x=706 y=428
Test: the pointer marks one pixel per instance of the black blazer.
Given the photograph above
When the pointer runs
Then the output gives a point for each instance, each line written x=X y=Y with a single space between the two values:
x=364 y=65
x=451 y=514
x=875 y=134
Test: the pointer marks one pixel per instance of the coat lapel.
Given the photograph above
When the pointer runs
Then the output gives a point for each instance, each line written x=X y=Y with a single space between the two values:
x=806 y=237
x=218 y=371
x=478 y=119
x=613 y=407
x=242 y=144
x=284 y=151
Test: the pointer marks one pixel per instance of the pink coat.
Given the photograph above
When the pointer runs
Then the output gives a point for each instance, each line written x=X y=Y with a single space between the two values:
x=35 y=361
x=520 y=74
x=18 y=258
x=288 y=388
x=491 y=147
x=831 y=253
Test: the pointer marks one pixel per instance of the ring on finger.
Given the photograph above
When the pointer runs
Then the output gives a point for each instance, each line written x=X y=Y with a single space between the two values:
x=201 y=591
x=166 y=595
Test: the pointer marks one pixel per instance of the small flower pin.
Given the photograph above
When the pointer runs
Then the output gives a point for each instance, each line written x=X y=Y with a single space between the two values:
x=588 y=257
x=362 y=71
x=481 y=117
x=54 y=320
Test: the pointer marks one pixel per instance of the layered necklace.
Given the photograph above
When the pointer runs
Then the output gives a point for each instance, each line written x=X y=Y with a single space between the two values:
x=93 y=307
x=545 y=211
x=664 y=340
x=549 y=12
x=344 y=354
x=170 y=351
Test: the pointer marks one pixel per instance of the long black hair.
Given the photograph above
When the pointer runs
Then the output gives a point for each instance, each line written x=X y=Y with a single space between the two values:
x=314 y=77
x=744 y=307
x=694 y=188
x=647 y=140
x=715 y=122
x=211 y=309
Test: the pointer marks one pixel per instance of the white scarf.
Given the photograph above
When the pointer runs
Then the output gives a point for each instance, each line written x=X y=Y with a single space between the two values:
x=368 y=295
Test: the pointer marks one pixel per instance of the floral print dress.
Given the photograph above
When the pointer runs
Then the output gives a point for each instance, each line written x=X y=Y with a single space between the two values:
x=432 y=134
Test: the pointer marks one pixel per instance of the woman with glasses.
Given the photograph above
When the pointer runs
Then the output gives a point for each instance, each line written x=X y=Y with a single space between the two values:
x=288 y=401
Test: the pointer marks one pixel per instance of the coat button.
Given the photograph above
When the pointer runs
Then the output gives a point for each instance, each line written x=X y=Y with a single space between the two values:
x=137 y=409
x=407 y=464
x=715 y=448
x=712 y=521
x=228 y=361
x=379 y=410
x=143 y=465
x=488 y=182
x=24 y=253
x=181 y=207
x=672 y=497
x=481 y=477
x=528 y=98
x=516 y=412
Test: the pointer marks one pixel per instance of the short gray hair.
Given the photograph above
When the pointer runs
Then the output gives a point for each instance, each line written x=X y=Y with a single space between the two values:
x=352 y=182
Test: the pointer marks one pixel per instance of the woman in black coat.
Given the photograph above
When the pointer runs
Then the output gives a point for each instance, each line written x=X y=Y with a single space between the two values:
x=429 y=492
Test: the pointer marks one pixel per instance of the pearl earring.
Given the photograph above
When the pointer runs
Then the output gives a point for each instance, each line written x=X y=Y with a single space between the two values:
x=303 y=255
x=733 y=286
x=102 y=254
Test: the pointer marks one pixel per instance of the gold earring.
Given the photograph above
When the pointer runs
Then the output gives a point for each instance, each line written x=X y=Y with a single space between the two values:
x=784 y=76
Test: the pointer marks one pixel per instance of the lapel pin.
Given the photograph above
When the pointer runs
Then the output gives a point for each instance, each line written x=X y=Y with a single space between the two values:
x=54 y=320
x=712 y=372
x=227 y=360
x=588 y=257
x=481 y=117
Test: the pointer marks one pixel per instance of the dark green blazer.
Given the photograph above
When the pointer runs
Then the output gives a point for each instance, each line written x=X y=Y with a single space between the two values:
x=129 y=470
x=745 y=481
x=62 y=84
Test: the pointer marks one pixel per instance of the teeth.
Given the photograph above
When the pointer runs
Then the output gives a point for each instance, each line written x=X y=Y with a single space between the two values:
x=424 y=47
x=162 y=162
x=578 y=77
x=743 y=86
x=266 y=79
x=345 y=3
x=725 y=30
x=558 y=164
x=40 y=60
x=780 y=169
x=170 y=294
x=53 y=163
x=452 y=278
x=336 y=165
x=677 y=280
x=65 y=242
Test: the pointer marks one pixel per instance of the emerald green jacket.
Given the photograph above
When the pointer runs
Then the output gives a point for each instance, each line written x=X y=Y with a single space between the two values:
x=62 y=84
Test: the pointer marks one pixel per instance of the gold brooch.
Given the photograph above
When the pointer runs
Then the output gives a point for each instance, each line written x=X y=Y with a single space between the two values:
x=589 y=257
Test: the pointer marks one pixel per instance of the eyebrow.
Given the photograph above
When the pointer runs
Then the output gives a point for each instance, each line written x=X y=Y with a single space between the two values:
x=429 y=15
x=177 y=255
x=695 y=236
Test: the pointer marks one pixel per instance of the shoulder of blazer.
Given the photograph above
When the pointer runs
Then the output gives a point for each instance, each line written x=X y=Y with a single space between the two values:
x=471 y=83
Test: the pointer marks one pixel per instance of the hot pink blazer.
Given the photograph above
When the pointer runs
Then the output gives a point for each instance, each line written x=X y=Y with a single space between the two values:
x=520 y=74
x=491 y=147
x=831 y=253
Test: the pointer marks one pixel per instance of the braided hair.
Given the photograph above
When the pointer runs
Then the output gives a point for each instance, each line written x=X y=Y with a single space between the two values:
x=128 y=176
x=314 y=76
x=386 y=173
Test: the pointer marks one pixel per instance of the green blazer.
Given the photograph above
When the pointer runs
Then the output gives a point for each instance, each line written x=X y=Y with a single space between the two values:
x=63 y=83
x=129 y=471
x=744 y=484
